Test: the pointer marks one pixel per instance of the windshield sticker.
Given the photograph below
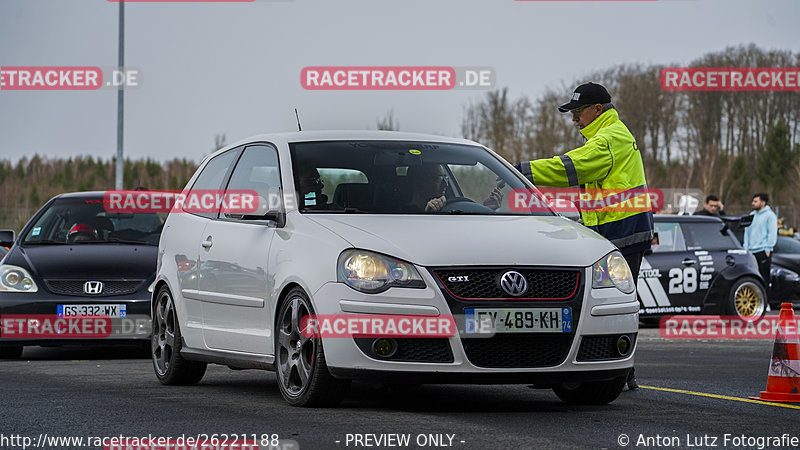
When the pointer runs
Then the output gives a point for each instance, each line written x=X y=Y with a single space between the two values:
x=414 y=151
x=36 y=231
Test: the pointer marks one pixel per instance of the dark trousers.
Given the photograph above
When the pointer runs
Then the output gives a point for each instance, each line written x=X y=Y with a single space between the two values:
x=634 y=262
x=764 y=263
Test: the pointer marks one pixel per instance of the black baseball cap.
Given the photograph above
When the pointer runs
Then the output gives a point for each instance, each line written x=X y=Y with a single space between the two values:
x=586 y=94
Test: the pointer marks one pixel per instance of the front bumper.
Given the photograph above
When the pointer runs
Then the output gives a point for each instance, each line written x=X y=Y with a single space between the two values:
x=541 y=358
x=32 y=319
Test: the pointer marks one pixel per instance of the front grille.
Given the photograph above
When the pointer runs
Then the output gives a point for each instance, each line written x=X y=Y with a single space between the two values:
x=549 y=284
x=110 y=287
x=412 y=350
x=598 y=348
x=518 y=350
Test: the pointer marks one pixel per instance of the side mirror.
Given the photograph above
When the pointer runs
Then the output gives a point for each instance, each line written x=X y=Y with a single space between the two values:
x=7 y=238
x=266 y=211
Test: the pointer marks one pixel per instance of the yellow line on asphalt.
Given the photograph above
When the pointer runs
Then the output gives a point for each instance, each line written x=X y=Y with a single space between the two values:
x=724 y=397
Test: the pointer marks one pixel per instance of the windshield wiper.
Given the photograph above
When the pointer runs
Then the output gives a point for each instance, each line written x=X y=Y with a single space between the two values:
x=124 y=241
x=44 y=242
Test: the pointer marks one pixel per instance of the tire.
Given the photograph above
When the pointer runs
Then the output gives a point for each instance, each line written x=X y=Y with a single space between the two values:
x=590 y=392
x=303 y=376
x=10 y=352
x=747 y=299
x=170 y=367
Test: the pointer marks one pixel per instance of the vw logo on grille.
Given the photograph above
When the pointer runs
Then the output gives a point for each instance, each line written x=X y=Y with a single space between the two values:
x=513 y=283
x=93 y=287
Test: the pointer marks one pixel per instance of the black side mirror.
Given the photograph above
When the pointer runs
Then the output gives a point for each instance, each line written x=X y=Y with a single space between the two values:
x=7 y=238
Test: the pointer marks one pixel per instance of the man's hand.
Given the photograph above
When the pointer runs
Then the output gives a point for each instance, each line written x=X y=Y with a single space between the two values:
x=518 y=166
x=494 y=199
x=435 y=204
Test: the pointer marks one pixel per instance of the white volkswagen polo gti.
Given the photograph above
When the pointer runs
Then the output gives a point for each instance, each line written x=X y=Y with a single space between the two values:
x=390 y=257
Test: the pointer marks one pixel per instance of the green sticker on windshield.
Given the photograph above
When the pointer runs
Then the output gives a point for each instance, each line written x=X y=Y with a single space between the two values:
x=414 y=151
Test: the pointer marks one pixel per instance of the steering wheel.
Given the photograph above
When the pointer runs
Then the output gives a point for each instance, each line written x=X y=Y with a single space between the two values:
x=464 y=204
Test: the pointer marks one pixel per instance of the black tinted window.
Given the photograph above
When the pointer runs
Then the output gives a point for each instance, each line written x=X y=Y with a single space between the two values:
x=86 y=221
x=707 y=236
x=787 y=245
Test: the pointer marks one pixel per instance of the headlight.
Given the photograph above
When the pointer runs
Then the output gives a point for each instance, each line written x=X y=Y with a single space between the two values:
x=371 y=272
x=16 y=279
x=786 y=274
x=613 y=271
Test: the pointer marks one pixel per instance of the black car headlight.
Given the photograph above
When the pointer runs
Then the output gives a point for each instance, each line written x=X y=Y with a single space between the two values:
x=371 y=272
x=613 y=271
x=786 y=274
x=16 y=279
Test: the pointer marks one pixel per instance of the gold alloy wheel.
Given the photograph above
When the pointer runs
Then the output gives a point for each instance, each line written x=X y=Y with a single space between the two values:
x=749 y=301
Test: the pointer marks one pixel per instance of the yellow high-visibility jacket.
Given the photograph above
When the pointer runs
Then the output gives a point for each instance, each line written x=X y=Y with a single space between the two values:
x=609 y=162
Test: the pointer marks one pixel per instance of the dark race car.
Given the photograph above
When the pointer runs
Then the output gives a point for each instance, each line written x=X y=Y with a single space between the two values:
x=784 y=271
x=78 y=274
x=698 y=267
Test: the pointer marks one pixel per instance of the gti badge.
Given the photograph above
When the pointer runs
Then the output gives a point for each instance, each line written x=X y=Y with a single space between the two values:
x=513 y=283
x=458 y=279
x=93 y=287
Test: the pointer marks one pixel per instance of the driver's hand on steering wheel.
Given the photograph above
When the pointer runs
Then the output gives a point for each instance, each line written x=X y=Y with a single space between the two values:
x=435 y=204
x=494 y=199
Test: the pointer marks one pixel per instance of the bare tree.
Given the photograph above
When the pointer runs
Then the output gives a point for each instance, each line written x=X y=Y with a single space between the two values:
x=388 y=122
x=220 y=140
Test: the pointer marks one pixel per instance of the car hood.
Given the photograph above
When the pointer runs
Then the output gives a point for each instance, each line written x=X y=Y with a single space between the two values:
x=440 y=240
x=97 y=261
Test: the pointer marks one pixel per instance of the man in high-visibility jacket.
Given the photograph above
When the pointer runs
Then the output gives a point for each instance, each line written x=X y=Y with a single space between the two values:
x=609 y=167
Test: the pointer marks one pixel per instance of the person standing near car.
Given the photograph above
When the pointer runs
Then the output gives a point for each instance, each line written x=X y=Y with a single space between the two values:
x=712 y=207
x=760 y=237
x=609 y=160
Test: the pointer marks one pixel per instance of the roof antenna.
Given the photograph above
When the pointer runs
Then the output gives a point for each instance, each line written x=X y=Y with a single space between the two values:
x=299 y=128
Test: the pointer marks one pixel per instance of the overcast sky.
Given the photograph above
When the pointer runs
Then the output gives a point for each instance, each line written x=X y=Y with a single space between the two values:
x=210 y=68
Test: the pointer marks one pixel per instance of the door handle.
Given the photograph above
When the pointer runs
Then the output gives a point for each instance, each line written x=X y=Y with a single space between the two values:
x=207 y=243
x=688 y=262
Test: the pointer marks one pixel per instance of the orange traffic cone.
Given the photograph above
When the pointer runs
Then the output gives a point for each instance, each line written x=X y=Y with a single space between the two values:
x=783 y=382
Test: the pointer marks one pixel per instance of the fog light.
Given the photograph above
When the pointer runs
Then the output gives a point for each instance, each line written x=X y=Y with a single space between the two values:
x=383 y=347
x=623 y=345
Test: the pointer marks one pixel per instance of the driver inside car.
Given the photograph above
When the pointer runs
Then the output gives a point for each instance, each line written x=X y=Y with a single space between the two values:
x=429 y=185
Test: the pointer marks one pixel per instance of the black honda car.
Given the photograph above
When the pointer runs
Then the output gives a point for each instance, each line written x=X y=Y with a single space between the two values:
x=78 y=274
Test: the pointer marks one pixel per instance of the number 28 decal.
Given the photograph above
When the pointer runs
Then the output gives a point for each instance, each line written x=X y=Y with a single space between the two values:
x=682 y=280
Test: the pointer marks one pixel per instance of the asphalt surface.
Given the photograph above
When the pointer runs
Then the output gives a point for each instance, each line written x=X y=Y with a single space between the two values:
x=113 y=392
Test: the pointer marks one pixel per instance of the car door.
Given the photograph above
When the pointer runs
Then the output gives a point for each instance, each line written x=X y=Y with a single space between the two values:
x=712 y=245
x=234 y=275
x=668 y=279
x=183 y=234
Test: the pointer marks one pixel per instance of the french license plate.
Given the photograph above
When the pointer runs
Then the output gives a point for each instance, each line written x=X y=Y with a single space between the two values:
x=113 y=311
x=518 y=320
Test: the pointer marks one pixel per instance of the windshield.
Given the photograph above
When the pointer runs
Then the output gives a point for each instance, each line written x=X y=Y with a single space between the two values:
x=85 y=221
x=403 y=177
